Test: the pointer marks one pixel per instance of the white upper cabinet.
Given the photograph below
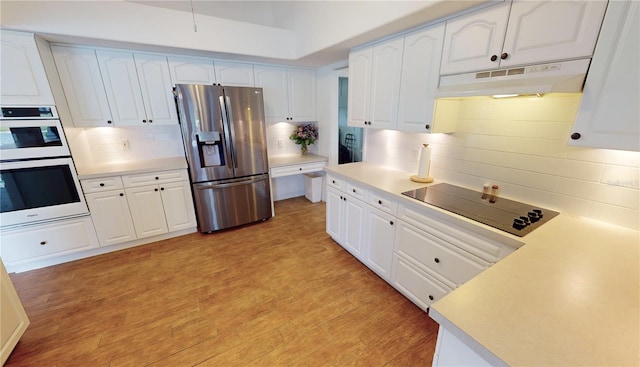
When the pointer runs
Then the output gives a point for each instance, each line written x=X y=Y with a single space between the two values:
x=522 y=32
x=157 y=89
x=420 y=75
x=24 y=81
x=191 y=70
x=289 y=94
x=608 y=116
x=234 y=73
x=82 y=84
x=374 y=85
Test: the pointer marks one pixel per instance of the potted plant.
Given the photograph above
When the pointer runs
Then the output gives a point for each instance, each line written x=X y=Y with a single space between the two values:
x=304 y=135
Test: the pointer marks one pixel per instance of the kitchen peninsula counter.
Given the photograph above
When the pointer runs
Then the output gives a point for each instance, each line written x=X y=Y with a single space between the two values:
x=569 y=296
x=131 y=167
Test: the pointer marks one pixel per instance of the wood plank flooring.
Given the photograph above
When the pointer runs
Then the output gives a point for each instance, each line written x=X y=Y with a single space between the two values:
x=277 y=293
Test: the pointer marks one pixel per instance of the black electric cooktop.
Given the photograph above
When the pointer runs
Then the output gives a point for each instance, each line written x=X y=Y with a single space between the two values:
x=507 y=215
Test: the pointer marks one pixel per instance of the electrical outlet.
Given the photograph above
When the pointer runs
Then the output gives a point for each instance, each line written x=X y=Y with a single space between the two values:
x=280 y=145
x=124 y=143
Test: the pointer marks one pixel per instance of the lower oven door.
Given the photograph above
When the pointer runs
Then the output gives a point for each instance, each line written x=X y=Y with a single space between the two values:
x=39 y=190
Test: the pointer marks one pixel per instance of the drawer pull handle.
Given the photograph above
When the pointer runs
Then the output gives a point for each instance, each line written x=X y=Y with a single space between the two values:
x=300 y=169
x=436 y=260
x=42 y=243
x=101 y=184
x=121 y=194
x=157 y=178
x=431 y=297
x=162 y=189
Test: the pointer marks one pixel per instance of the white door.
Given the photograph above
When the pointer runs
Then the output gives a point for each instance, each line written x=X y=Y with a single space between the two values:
x=13 y=318
x=420 y=75
x=608 y=115
x=354 y=215
x=273 y=81
x=471 y=41
x=121 y=83
x=111 y=217
x=147 y=211
x=380 y=229
x=178 y=205
x=301 y=88
x=191 y=70
x=359 y=95
x=334 y=214
x=82 y=84
x=157 y=89
x=541 y=31
x=234 y=73
x=386 y=70
x=24 y=81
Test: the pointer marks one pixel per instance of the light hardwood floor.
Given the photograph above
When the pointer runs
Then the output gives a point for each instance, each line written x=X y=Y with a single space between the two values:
x=277 y=293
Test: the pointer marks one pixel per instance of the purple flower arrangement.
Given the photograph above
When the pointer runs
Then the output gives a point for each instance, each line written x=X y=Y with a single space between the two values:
x=305 y=134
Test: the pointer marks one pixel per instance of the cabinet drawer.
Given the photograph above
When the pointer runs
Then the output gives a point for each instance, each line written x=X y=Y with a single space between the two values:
x=296 y=169
x=333 y=181
x=416 y=285
x=437 y=256
x=101 y=184
x=47 y=240
x=143 y=179
x=383 y=202
x=355 y=191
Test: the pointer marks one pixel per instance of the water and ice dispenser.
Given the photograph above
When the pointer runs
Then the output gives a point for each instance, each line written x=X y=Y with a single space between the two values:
x=210 y=149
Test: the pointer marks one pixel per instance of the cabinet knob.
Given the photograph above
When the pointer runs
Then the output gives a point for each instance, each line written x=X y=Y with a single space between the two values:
x=300 y=169
x=101 y=184
x=504 y=56
x=436 y=260
x=354 y=190
x=156 y=189
x=575 y=136
x=427 y=126
x=431 y=297
x=150 y=121
x=121 y=194
x=344 y=198
x=157 y=178
x=42 y=243
x=109 y=122
x=494 y=57
x=162 y=189
x=391 y=222
x=334 y=181
x=380 y=202
x=144 y=121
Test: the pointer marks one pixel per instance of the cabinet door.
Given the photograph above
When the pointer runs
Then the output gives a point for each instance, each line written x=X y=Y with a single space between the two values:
x=120 y=80
x=157 y=90
x=233 y=73
x=420 y=75
x=13 y=318
x=82 y=84
x=608 y=115
x=301 y=87
x=191 y=70
x=147 y=210
x=24 y=81
x=416 y=285
x=386 y=70
x=471 y=40
x=359 y=87
x=334 y=213
x=273 y=81
x=380 y=233
x=541 y=31
x=178 y=205
x=111 y=217
x=353 y=232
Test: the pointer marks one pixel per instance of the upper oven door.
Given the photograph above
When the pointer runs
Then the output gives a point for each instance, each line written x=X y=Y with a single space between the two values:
x=25 y=139
x=39 y=190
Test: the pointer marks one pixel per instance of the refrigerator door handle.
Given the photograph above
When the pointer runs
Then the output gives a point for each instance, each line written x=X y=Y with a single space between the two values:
x=227 y=127
x=231 y=130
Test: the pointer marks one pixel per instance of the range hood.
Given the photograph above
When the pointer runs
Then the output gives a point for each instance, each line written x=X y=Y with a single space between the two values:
x=563 y=77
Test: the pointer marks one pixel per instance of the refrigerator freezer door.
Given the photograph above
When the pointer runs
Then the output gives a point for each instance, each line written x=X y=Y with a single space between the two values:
x=232 y=203
x=245 y=110
x=206 y=138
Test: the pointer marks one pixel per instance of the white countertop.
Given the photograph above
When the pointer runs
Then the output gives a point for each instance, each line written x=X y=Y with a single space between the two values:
x=569 y=296
x=293 y=159
x=131 y=167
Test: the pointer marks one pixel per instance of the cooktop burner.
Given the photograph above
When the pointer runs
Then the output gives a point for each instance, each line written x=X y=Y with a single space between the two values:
x=507 y=215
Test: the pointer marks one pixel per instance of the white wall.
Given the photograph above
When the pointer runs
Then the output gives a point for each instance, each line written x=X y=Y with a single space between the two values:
x=520 y=144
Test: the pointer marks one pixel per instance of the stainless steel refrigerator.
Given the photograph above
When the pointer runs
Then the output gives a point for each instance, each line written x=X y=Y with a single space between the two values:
x=224 y=134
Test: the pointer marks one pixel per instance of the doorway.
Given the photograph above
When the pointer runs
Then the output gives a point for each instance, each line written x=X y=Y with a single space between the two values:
x=349 y=137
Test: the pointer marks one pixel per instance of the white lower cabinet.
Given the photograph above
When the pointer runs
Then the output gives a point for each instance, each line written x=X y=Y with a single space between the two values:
x=131 y=207
x=380 y=231
x=345 y=221
x=415 y=284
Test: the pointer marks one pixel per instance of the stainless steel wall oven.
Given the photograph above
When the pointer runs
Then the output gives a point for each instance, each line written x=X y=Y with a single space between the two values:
x=38 y=180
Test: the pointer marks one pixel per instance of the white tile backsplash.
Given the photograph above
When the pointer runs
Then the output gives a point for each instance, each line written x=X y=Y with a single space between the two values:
x=521 y=145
